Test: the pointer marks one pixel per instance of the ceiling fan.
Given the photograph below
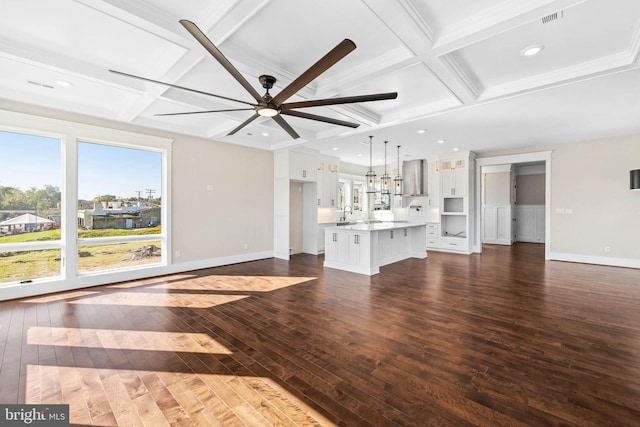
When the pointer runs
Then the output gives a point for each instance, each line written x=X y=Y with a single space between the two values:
x=275 y=107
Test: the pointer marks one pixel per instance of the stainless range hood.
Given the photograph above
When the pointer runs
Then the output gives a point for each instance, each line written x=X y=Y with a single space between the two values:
x=414 y=175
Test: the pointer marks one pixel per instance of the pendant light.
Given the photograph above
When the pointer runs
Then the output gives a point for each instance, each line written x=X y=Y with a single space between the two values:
x=397 y=181
x=385 y=180
x=371 y=175
x=635 y=179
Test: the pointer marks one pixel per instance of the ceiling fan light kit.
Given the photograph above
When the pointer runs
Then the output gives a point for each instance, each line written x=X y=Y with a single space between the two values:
x=275 y=107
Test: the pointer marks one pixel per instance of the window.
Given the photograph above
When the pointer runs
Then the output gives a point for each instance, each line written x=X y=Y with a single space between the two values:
x=119 y=206
x=30 y=206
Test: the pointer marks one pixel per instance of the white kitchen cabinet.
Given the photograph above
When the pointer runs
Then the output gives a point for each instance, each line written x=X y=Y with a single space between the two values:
x=456 y=205
x=332 y=251
x=393 y=245
x=347 y=247
x=327 y=189
x=364 y=248
x=327 y=182
x=400 y=244
x=359 y=249
x=454 y=244
x=302 y=166
x=498 y=225
x=530 y=223
x=453 y=182
x=433 y=234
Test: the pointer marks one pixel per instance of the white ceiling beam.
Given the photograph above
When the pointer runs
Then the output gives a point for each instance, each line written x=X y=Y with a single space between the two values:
x=143 y=16
x=496 y=20
x=417 y=35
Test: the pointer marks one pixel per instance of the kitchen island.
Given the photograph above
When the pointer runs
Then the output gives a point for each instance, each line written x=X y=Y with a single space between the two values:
x=364 y=247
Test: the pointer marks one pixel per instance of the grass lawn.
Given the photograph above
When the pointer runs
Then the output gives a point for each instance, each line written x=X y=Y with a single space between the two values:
x=25 y=265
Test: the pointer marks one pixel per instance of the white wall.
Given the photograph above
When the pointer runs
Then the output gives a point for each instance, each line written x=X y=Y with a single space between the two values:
x=238 y=212
x=591 y=179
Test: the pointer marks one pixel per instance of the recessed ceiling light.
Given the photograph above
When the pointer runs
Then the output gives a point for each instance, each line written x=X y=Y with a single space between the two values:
x=532 y=50
x=63 y=83
x=359 y=154
x=335 y=148
x=456 y=149
x=422 y=131
x=441 y=141
x=265 y=134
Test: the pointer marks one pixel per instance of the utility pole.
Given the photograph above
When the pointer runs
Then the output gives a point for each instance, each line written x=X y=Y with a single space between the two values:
x=150 y=193
x=139 y=192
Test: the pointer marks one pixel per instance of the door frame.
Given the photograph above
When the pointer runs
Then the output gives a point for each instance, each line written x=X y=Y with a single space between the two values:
x=540 y=156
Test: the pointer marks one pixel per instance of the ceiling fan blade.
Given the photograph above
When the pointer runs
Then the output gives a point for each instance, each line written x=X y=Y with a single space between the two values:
x=179 y=87
x=342 y=100
x=284 y=125
x=213 y=50
x=243 y=124
x=334 y=55
x=320 y=118
x=203 y=112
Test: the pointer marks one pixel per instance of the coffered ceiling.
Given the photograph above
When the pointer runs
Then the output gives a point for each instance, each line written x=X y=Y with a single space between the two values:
x=457 y=66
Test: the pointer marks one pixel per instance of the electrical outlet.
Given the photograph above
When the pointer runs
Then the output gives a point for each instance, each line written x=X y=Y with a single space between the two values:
x=210 y=187
x=607 y=248
x=246 y=246
x=177 y=254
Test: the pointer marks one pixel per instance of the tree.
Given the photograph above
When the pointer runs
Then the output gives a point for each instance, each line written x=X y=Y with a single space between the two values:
x=12 y=198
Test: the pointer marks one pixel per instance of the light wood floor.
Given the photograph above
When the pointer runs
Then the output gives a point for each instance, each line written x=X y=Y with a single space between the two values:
x=498 y=339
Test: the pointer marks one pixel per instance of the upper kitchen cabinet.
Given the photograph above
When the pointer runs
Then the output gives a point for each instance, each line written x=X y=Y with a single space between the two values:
x=454 y=177
x=302 y=166
x=328 y=181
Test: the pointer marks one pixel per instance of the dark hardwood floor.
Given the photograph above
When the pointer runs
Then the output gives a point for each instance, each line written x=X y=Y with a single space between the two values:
x=499 y=339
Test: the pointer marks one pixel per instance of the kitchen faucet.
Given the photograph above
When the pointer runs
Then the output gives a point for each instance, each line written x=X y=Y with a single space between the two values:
x=344 y=212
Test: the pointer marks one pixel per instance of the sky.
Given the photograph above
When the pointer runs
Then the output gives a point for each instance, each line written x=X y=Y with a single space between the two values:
x=35 y=161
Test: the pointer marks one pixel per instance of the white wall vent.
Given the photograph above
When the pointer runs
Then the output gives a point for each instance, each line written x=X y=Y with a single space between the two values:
x=552 y=17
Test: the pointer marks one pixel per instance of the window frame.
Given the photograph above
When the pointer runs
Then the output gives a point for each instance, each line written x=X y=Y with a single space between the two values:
x=96 y=241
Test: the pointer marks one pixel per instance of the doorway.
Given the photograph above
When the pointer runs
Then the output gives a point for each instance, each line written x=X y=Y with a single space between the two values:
x=543 y=157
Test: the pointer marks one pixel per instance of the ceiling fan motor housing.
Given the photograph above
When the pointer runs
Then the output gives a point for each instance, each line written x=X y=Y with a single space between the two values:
x=267 y=81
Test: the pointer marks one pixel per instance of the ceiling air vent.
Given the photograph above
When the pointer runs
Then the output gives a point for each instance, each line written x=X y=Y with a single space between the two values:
x=552 y=17
x=31 y=82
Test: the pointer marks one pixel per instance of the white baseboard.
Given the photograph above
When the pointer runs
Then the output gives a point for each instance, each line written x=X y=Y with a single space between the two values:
x=217 y=262
x=47 y=286
x=590 y=259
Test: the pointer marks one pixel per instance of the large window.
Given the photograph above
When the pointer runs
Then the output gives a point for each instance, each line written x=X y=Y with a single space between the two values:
x=79 y=205
x=30 y=206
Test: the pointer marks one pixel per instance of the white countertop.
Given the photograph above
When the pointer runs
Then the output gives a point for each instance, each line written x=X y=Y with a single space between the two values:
x=377 y=226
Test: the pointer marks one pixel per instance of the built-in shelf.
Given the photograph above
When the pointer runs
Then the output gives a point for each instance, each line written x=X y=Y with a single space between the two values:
x=453 y=225
x=453 y=205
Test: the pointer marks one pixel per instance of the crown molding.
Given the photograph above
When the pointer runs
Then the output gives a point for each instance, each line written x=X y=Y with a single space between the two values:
x=583 y=71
